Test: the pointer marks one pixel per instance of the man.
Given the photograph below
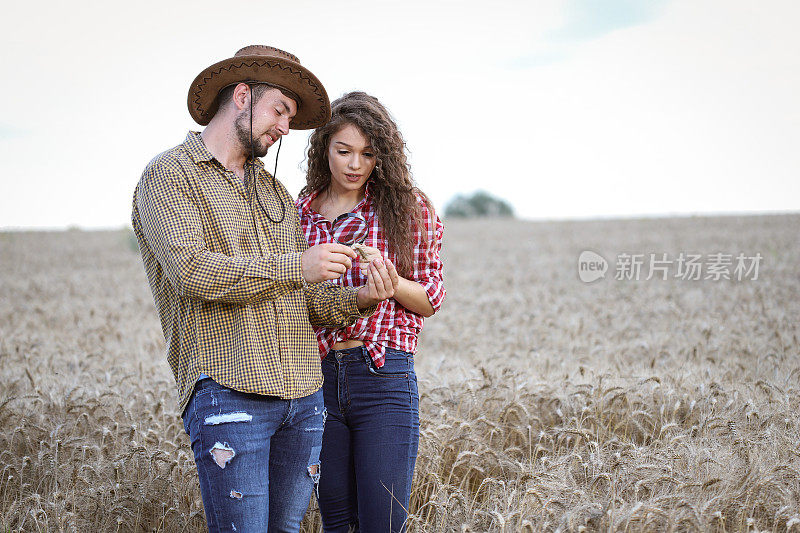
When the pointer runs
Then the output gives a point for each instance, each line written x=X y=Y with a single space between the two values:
x=235 y=285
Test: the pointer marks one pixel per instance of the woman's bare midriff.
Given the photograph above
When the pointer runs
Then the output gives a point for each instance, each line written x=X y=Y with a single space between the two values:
x=349 y=343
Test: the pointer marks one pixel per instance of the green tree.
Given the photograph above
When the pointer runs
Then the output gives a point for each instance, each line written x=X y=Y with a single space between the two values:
x=478 y=204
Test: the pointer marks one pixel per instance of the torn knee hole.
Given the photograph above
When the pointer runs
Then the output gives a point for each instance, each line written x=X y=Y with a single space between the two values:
x=236 y=495
x=313 y=472
x=222 y=454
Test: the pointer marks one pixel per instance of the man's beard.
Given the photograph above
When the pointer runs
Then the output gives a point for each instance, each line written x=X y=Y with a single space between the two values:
x=242 y=125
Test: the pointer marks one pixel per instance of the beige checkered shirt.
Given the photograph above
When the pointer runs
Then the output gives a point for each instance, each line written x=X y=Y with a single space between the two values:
x=227 y=282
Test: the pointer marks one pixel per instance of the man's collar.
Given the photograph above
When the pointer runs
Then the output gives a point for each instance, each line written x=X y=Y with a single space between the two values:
x=197 y=149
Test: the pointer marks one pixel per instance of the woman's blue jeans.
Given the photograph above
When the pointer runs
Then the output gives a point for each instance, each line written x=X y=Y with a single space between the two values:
x=257 y=456
x=370 y=441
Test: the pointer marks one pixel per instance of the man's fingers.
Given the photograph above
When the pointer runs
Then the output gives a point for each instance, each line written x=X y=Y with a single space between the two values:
x=334 y=271
x=337 y=268
x=337 y=248
x=341 y=259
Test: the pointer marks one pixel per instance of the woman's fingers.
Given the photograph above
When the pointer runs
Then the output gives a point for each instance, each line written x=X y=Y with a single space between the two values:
x=393 y=275
x=371 y=254
x=375 y=282
x=386 y=280
x=381 y=280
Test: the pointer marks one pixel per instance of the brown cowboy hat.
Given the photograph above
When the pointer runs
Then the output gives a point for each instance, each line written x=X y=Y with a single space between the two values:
x=260 y=63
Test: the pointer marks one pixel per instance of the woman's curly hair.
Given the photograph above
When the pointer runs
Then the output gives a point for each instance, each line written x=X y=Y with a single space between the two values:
x=391 y=187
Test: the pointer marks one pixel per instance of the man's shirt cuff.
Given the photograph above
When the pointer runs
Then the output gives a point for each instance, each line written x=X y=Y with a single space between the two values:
x=287 y=268
x=350 y=304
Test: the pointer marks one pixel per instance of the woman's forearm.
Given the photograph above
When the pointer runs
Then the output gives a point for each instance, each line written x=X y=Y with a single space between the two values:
x=410 y=294
x=413 y=297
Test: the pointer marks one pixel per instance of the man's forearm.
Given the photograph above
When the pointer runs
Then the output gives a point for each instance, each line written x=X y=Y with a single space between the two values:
x=241 y=280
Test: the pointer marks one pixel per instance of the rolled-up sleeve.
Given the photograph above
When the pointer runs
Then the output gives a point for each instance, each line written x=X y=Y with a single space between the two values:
x=427 y=268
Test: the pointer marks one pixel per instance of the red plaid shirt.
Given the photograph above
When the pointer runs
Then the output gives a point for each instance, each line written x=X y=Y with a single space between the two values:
x=392 y=324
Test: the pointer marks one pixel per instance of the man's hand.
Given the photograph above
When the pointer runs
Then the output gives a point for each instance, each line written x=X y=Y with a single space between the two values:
x=326 y=261
x=382 y=281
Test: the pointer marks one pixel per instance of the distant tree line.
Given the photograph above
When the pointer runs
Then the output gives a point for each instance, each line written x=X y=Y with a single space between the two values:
x=478 y=204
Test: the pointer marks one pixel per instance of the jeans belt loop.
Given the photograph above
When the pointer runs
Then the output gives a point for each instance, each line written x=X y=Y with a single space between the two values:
x=365 y=355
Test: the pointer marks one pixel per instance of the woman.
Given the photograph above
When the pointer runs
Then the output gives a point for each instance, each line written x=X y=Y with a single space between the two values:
x=358 y=176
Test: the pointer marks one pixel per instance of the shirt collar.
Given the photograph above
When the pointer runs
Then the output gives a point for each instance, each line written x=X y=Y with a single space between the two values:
x=304 y=203
x=197 y=149
x=367 y=192
x=365 y=205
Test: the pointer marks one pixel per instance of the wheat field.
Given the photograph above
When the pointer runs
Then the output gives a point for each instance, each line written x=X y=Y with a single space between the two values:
x=546 y=403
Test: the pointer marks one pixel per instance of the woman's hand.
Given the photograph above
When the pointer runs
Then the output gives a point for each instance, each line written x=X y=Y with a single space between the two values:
x=366 y=254
x=382 y=282
x=407 y=293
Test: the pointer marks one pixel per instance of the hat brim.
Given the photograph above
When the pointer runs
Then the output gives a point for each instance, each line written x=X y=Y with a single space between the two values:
x=314 y=108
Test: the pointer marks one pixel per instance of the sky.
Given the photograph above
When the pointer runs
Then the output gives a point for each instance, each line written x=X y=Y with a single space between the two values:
x=564 y=108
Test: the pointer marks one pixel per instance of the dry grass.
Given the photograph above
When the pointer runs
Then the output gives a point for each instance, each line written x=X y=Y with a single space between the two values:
x=546 y=403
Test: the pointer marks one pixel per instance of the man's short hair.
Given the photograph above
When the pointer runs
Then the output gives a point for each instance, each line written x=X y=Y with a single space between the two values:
x=259 y=89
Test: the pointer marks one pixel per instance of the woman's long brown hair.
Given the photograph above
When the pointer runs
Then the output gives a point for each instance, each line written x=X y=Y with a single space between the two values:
x=392 y=189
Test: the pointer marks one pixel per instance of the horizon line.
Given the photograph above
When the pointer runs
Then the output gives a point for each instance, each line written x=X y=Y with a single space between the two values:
x=587 y=218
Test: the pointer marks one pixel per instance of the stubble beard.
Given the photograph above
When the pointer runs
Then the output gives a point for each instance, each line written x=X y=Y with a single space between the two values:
x=242 y=127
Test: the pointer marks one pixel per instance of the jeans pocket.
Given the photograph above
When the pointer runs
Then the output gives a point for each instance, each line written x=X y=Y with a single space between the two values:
x=396 y=365
x=376 y=372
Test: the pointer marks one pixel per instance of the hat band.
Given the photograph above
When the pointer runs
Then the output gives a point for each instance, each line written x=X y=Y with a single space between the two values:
x=288 y=92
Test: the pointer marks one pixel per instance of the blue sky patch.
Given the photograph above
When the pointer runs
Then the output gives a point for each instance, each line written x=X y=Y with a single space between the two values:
x=585 y=20
x=590 y=19
x=7 y=131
